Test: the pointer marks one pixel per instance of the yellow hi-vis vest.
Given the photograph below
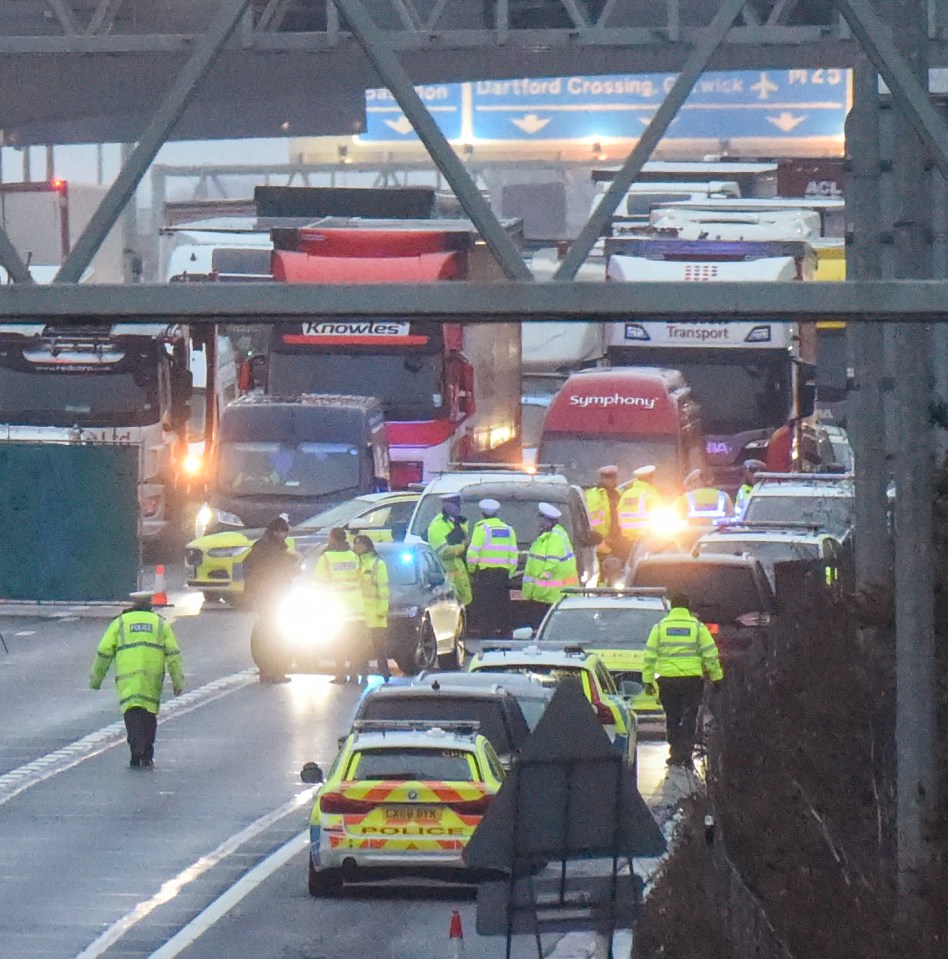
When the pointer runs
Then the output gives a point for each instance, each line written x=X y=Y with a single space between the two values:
x=706 y=503
x=636 y=507
x=143 y=646
x=740 y=501
x=373 y=575
x=493 y=546
x=451 y=554
x=551 y=565
x=600 y=515
x=680 y=645
x=340 y=570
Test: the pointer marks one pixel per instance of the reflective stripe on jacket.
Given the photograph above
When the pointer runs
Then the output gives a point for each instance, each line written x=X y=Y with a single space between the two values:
x=339 y=568
x=680 y=645
x=375 y=592
x=551 y=565
x=143 y=645
x=493 y=546
x=639 y=501
x=452 y=554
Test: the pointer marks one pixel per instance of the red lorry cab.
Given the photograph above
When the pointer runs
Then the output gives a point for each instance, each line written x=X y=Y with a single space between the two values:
x=627 y=416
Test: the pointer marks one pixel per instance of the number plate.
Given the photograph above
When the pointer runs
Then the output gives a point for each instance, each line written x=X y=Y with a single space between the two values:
x=419 y=814
x=516 y=594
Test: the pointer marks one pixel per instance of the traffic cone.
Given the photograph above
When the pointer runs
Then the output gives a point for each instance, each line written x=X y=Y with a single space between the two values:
x=456 y=934
x=160 y=595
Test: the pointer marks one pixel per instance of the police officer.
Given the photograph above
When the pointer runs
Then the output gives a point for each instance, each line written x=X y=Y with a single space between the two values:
x=492 y=561
x=373 y=575
x=448 y=535
x=268 y=570
x=702 y=503
x=143 y=646
x=551 y=564
x=681 y=653
x=639 y=501
x=602 y=503
x=338 y=567
x=744 y=490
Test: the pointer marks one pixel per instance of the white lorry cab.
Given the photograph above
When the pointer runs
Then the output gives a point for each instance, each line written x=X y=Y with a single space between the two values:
x=126 y=385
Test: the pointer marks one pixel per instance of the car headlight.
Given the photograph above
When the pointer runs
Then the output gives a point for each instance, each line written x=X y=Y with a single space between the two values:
x=229 y=519
x=223 y=551
x=311 y=615
x=666 y=522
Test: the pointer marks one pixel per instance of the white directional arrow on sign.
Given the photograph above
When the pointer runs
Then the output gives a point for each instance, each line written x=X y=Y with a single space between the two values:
x=786 y=121
x=531 y=123
x=401 y=125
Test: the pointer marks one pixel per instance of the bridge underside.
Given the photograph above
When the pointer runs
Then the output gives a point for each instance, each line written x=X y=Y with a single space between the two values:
x=77 y=71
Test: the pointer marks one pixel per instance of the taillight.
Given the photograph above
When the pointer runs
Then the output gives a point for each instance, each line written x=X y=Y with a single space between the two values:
x=604 y=714
x=472 y=807
x=335 y=804
x=754 y=619
x=713 y=628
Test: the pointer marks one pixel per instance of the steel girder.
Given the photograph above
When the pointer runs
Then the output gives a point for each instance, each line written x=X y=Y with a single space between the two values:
x=871 y=301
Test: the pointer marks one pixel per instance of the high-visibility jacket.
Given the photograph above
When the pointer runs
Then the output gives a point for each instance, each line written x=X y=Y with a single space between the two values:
x=493 y=546
x=373 y=575
x=705 y=504
x=452 y=554
x=600 y=514
x=740 y=501
x=339 y=568
x=638 y=504
x=143 y=646
x=680 y=645
x=551 y=565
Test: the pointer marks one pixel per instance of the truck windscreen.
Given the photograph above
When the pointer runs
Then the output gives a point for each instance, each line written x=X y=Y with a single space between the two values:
x=400 y=363
x=578 y=456
x=738 y=390
x=274 y=469
x=60 y=393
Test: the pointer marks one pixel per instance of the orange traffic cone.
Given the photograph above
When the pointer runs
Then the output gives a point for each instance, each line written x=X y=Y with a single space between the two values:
x=456 y=934
x=160 y=595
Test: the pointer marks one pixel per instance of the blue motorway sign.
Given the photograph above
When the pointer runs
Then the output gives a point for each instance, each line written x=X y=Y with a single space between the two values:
x=766 y=104
x=385 y=122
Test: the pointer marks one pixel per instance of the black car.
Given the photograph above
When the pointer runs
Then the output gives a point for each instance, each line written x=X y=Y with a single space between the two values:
x=496 y=709
x=731 y=595
x=426 y=619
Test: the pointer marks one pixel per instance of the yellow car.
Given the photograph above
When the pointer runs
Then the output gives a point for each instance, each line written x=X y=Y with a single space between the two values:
x=402 y=797
x=613 y=624
x=554 y=662
x=214 y=563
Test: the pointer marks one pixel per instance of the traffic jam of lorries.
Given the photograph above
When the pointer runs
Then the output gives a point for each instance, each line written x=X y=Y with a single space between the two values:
x=380 y=499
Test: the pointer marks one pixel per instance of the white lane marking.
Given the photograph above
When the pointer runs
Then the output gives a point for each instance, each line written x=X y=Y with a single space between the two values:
x=45 y=767
x=223 y=905
x=174 y=886
x=25 y=632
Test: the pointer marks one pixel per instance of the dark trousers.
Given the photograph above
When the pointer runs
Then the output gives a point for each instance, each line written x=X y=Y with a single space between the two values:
x=489 y=612
x=141 y=726
x=378 y=644
x=681 y=699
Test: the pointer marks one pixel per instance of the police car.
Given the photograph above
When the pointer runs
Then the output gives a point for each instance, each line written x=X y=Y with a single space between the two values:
x=823 y=500
x=555 y=663
x=615 y=625
x=401 y=797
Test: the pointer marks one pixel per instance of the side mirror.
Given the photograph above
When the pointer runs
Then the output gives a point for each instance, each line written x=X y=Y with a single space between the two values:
x=311 y=773
x=523 y=633
x=629 y=689
x=437 y=578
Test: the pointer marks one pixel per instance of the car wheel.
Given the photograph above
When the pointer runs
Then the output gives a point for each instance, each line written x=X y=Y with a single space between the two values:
x=266 y=660
x=324 y=882
x=455 y=658
x=423 y=654
x=211 y=598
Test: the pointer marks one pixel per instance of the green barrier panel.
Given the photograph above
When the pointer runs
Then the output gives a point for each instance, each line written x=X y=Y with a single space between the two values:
x=69 y=516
